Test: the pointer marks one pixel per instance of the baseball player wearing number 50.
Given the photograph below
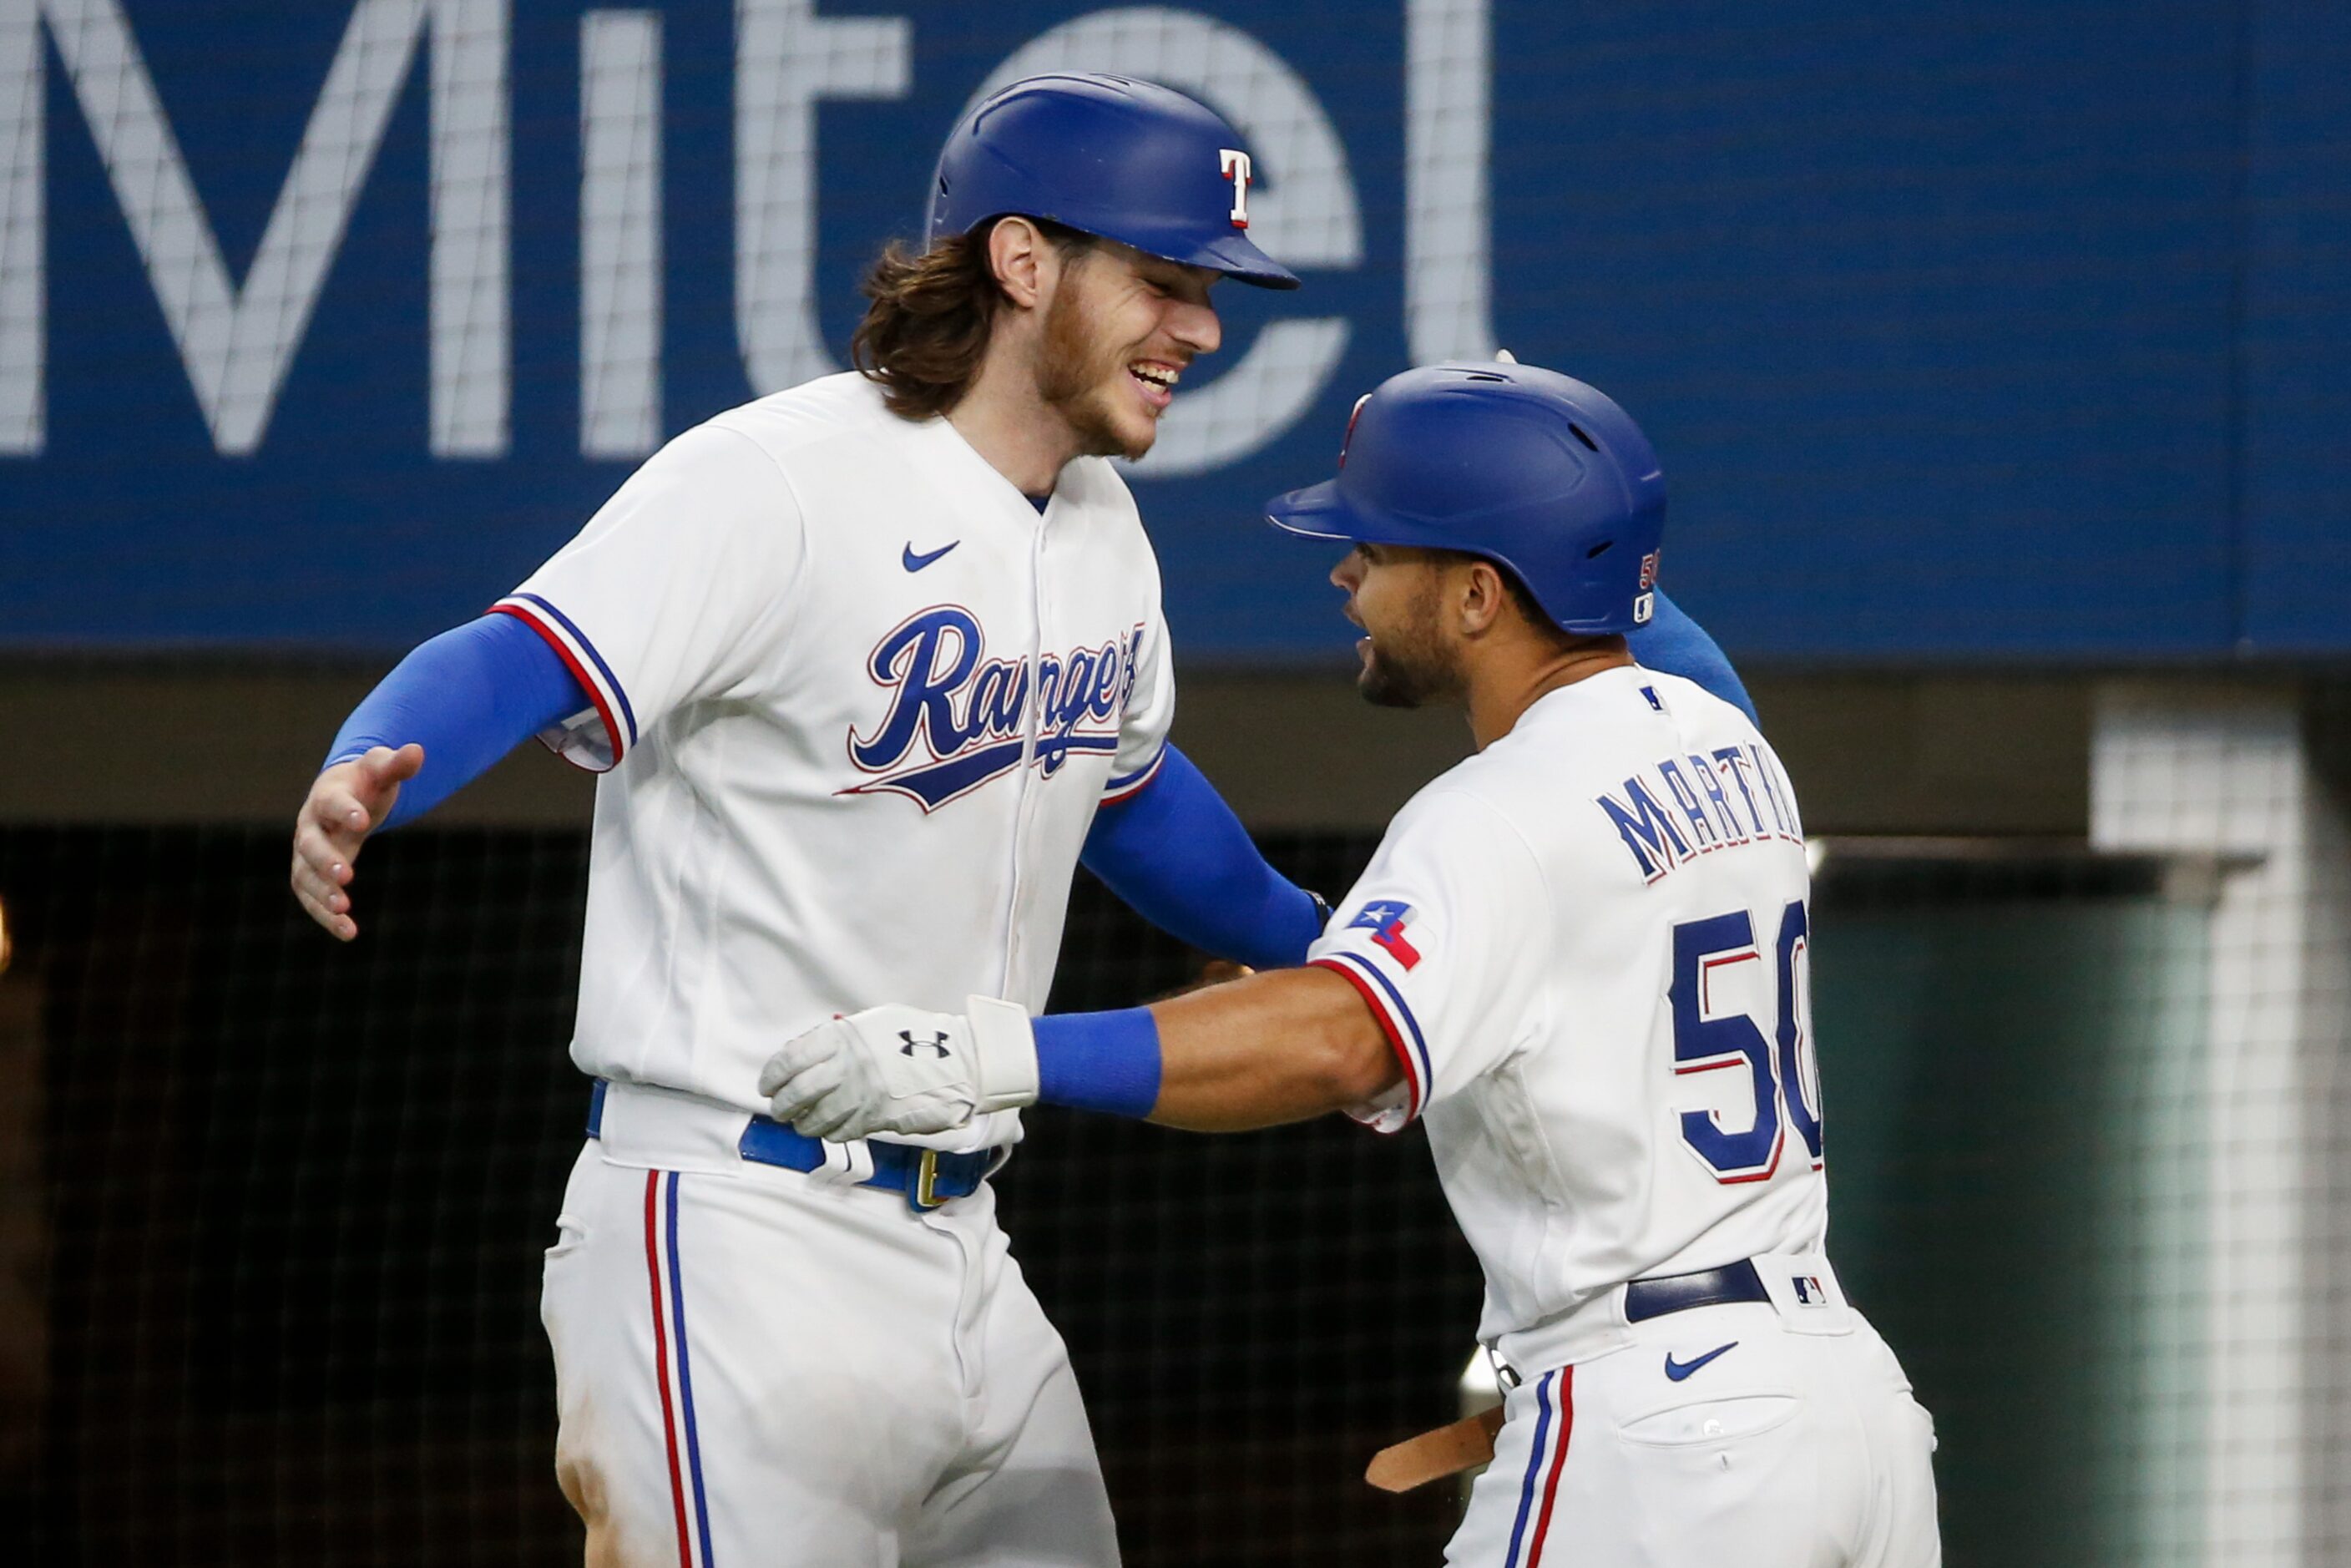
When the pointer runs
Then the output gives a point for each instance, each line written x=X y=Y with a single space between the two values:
x=1582 y=956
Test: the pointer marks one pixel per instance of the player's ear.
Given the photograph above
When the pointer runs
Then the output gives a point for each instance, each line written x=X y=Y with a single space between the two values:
x=1015 y=255
x=1480 y=597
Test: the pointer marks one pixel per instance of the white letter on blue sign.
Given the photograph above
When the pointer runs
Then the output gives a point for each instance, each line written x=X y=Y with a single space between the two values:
x=238 y=341
x=1448 y=136
x=620 y=233
x=786 y=58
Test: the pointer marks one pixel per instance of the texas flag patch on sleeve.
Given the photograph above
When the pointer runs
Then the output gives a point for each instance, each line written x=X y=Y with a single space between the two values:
x=1388 y=922
x=1382 y=986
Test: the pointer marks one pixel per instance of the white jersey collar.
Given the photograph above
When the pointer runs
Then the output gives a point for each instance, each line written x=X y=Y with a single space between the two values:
x=939 y=437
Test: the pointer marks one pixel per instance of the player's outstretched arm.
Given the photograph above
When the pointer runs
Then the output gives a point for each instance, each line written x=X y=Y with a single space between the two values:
x=449 y=710
x=1176 y=854
x=1256 y=1052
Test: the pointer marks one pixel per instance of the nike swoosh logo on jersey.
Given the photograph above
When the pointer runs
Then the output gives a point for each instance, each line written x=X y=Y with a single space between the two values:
x=913 y=562
x=1678 y=1370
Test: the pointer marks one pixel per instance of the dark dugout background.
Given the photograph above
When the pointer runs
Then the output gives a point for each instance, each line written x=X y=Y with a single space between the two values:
x=295 y=1196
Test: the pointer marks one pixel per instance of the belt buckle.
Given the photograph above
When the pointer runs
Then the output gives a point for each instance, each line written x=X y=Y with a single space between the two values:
x=926 y=1195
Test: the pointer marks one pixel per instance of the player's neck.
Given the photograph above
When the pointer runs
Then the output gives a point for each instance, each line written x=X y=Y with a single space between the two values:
x=1009 y=424
x=1502 y=688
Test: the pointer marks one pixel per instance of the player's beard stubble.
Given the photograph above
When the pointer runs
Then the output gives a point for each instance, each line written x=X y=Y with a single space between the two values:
x=1407 y=664
x=1077 y=375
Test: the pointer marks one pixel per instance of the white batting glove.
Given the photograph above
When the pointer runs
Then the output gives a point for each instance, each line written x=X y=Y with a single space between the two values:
x=896 y=1070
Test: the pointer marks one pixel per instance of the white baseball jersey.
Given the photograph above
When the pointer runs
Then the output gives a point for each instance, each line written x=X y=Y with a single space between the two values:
x=1587 y=943
x=858 y=700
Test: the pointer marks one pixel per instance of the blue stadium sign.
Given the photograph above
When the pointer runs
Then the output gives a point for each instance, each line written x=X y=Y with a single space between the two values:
x=320 y=324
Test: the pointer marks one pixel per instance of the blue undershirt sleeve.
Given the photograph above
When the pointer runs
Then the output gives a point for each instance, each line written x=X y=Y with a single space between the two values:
x=1178 y=857
x=1100 y=1061
x=1677 y=645
x=468 y=696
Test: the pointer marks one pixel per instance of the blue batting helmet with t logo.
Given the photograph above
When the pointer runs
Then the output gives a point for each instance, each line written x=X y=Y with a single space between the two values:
x=1528 y=468
x=1128 y=161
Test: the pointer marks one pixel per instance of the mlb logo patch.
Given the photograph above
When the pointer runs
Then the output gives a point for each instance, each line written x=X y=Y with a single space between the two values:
x=1808 y=1291
x=1386 y=920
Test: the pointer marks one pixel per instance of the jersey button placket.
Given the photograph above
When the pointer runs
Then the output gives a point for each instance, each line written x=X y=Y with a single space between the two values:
x=1023 y=802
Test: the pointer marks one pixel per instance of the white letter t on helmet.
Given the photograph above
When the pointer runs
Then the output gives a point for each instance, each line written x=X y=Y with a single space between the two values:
x=1234 y=165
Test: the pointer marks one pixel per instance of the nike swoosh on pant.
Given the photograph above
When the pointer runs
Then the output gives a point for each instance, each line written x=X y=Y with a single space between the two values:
x=1678 y=1370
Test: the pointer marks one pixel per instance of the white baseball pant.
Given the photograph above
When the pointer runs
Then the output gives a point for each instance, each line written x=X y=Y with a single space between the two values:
x=758 y=1366
x=1787 y=1449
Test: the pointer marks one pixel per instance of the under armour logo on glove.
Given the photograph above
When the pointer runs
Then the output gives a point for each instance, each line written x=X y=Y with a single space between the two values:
x=844 y=1080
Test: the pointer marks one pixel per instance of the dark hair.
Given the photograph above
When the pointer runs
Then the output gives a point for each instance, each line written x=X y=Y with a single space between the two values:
x=1521 y=596
x=931 y=316
x=1524 y=597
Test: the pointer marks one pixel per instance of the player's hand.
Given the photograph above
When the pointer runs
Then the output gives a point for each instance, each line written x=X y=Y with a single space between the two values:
x=346 y=803
x=894 y=1070
x=885 y=1069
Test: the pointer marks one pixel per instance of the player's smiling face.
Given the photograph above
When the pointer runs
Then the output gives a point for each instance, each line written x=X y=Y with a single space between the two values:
x=1118 y=334
x=1395 y=593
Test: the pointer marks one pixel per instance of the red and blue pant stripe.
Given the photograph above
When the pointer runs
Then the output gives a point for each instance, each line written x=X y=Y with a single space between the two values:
x=1554 y=1424
x=674 y=1370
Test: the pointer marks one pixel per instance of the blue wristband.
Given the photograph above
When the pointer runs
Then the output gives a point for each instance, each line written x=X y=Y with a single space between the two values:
x=1098 y=1062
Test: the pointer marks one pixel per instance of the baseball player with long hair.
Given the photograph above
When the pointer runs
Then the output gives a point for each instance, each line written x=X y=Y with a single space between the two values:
x=1582 y=958
x=869 y=667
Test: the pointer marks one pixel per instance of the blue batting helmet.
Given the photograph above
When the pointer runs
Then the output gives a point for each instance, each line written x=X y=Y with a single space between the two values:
x=1528 y=468
x=1125 y=160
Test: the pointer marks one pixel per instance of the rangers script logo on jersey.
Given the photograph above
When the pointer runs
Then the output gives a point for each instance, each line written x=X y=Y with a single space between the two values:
x=962 y=716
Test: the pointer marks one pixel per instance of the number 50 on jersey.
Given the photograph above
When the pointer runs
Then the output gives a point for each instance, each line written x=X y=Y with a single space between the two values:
x=1717 y=969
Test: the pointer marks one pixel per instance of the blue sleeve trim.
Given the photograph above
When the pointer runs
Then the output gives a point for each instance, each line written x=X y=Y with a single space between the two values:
x=1176 y=854
x=1676 y=644
x=468 y=696
x=1127 y=784
x=620 y=693
x=1100 y=1061
x=1420 y=1071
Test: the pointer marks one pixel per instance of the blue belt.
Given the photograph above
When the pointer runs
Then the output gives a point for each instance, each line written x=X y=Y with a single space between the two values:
x=1647 y=1298
x=927 y=1177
